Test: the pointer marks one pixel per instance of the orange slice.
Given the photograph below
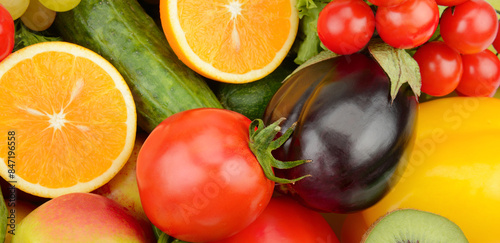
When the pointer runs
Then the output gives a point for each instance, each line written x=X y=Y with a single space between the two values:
x=234 y=41
x=67 y=119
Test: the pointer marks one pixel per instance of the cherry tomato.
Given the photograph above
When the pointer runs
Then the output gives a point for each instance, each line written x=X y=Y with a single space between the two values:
x=469 y=27
x=285 y=220
x=346 y=26
x=496 y=42
x=386 y=3
x=7 y=33
x=450 y=2
x=198 y=179
x=409 y=24
x=440 y=68
x=481 y=76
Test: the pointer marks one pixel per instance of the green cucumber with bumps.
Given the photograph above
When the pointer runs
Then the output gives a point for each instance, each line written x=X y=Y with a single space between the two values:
x=124 y=34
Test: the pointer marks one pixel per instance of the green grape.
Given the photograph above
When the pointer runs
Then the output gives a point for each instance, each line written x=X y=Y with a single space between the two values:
x=16 y=8
x=60 y=5
x=37 y=17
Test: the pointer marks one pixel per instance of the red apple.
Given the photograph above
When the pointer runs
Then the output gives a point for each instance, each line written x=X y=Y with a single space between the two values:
x=16 y=211
x=79 y=217
x=123 y=187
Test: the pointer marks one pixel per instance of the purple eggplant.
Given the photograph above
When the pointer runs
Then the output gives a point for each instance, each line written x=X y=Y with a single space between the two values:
x=355 y=135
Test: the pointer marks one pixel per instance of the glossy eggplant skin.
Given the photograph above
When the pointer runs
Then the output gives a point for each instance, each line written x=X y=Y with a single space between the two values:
x=358 y=140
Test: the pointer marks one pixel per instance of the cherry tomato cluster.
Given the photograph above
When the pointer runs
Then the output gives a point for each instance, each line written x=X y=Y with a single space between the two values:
x=453 y=57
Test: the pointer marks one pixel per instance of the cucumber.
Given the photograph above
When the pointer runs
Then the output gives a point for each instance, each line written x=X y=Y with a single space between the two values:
x=124 y=34
x=250 y=99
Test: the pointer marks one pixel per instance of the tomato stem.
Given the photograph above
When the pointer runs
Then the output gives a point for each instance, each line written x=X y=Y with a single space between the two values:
x=263 y=142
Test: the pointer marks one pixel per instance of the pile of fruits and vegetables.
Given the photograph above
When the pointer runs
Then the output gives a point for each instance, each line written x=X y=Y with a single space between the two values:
x=250 y=121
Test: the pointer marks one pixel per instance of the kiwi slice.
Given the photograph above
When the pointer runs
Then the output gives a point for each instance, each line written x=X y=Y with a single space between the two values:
x=413 y=226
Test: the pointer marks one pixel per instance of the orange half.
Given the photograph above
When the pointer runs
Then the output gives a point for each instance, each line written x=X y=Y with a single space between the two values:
x=67 y=119
x=234 y=41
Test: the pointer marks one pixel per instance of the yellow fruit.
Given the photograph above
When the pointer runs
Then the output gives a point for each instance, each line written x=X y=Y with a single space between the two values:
x=60 y=5
x=16 y=211
x=234 y=41
x=16 y=8
x=67 y=119
x=453 y=170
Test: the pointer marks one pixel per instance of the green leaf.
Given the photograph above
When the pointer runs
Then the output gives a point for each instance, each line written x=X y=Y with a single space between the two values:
x=162 y=237
x=307 y=43
x=303 y=6
x=399 y=66
x=25 y=37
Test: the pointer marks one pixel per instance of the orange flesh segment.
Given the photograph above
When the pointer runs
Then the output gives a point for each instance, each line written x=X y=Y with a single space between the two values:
x=62 y=108
x=231 y=34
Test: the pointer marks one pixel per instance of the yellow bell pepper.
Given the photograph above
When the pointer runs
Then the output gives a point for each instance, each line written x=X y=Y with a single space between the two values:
x=453 y=170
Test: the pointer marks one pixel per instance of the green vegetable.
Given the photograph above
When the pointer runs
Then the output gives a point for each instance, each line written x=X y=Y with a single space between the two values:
x=25 y=37
x=307 y=43
x=398 y=64
x=124 y=34
x=250 y=99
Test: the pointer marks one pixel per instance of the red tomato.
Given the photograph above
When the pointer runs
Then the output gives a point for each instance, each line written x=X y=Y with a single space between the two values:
x=450 y=2
x=346 y=26
x=409 y=24
x=198 y=179
x=285 y=220
x=496 y=42
x=469 y=27
x=481 y=76
x=7 y=33
x=354 y=228
x=385 y=3
x=440 y=68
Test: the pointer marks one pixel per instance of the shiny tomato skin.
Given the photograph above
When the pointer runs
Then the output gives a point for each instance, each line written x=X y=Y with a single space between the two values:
x=496 y=42
x=7 y=32
x=440 y=68
x=450 y=2
x=198 y=179
x=285 y=220
x=385 y=3
x=470 y=27
x=481 y=75
x=346 y=26
x=409 y=24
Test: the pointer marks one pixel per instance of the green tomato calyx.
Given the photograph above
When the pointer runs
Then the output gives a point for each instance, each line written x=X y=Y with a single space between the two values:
x=263 y=142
